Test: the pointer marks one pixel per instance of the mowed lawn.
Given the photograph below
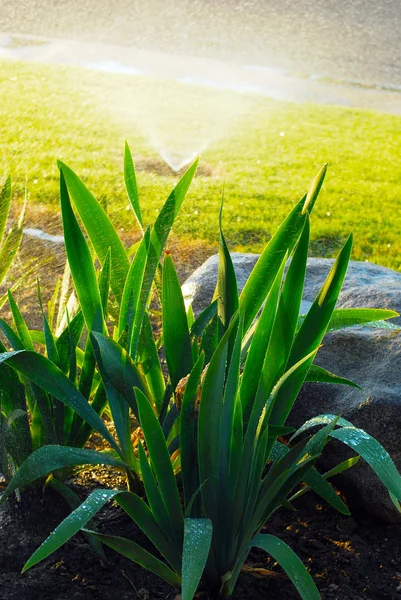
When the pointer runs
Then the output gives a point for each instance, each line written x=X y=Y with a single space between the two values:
x=264 y=153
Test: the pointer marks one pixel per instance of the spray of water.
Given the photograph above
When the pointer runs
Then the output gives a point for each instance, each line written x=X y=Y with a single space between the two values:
x=178 y=105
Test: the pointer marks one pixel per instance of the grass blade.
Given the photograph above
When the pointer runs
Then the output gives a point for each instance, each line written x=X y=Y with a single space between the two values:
x=5 y=203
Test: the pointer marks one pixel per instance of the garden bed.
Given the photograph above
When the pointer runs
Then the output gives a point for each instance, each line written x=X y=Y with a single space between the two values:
x=350 y=558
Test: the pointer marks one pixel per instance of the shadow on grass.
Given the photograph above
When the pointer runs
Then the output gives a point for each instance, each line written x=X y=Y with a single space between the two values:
x=327 y=246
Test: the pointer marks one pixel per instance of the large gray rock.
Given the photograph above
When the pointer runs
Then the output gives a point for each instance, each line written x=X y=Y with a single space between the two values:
x=199 y=288
x=366 y=284
x=370 y=357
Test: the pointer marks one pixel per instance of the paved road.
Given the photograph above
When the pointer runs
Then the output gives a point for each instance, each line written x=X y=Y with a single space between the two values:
x=346 y=39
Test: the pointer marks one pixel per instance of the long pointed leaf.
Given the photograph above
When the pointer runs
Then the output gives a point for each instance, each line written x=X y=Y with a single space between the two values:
x=160 y=459
x=46 y=375
x=100 y=230
x=197 y=541
x=47 y=459
x=131 y=185
x=134 y=552
x=177 y=343
x=291 y=564
x=80 y=260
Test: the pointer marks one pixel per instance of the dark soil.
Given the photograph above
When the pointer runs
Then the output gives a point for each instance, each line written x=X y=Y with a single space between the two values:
x=349 y=558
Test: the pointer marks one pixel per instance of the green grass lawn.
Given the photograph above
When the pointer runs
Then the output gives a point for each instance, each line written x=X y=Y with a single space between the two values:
x=264 y=153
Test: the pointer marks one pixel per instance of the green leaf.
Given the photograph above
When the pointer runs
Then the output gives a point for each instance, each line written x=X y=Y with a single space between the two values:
x=349 y=317
x=314 y=189
x=177 y=343
x=131 y=185
x=190 y=316
x=160 y=460
x=20 y=324
x=137 y=554
x=321 y=420
x=229 y=444
x=11 y=336
x=317 y=374
x=197 y=542
x=188 y=446
x=265 y=271
x=291 y=564
x=51 y=348
x=343 y=466
x=210 y=339
x=316 y=482
x=374 y=454
x=68 y=341
x=47 y=459
x=209 y=420
x=46 y=375
x=254 y=365
x=133 y=284
x=116 y=366
x=80 y=260
x=203 y=319
x=71 y=525
x=9 y=250
x=104 y=281
x=9 y=246
x=140 y=512
x=150 y=362
x=101 y=232
x=73 y=500
x=312 y=331
x=340 y=468
x=154 y=497
x=158 y=238
x=227 y=289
